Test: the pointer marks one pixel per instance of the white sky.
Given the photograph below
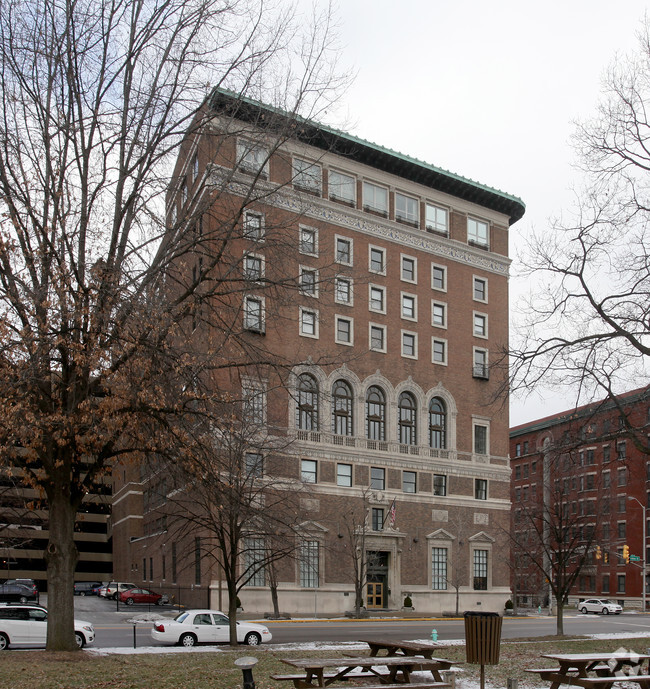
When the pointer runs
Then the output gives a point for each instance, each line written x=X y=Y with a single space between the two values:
x=488 y=90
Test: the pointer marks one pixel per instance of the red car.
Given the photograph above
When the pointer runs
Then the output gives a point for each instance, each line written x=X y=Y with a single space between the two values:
x=143 y=596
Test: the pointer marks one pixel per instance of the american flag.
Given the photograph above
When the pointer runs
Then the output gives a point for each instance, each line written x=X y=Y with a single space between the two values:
x=391 y=514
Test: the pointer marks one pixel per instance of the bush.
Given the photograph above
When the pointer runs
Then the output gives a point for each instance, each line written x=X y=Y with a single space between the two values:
x=509 y=604
x=408 y=603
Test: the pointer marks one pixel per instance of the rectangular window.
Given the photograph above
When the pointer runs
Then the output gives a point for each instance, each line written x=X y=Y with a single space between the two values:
x=377 y=338
x=439 y=569
x=254 y=314
x=254 y=464
x=621 y=477
x=409 y=269
x=480 y=439
x=439 y=351
x=254 y=556
x=343 y=291
x=480 y=488
x=480 y=369
x=480 y=325
x=344 y=251
x=620 y=583
x=438 y=314
x=438 y=278
x=309 y=241
x=621 y=450
x=375 y=198
x=606 y=454
x=342 y=187
x=195 y=166
x=480 y=289
x=436 y=219
x=377 y=298
x=377 y=519
x=407 y=209
x=409 y=307
x=309 y=281
x=477 y=232
x=252 y=158
x=409 y=481
x=253 y=268
x=253 y=403
x=308 y=322
x=377 y=478
x=308 y=471
x=253 y=226
x=409 y=344
x=480 y=570
x=377 y=262
x=439 y=484
x=344 y=334
x=309 y=564
x=621 y=529
x=344 y=475
x=306 y=175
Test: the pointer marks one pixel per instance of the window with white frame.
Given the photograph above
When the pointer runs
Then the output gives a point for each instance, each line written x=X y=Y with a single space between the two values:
x=254 y=557
x=409 y=306
x=437 y=424
x=344 y=330
x=409 y=482
x=377 y=298
x=309 y=281
x=254 y=464
x=375 y=198
x=342 y=412
x=439 y=484
x=254 y=314
x=344 y=475
x=375 y=414
x=481 y=440
x=377 y=260
x=480 y=567
x=307 y=175
x=253 y=226
x=438 y=277
x=481 y=369
x=308 y=470
x=409 y=269
x=253 y=402
x=439 y=314
x=308 y=322
x=439 y=351
x=409 y=344
x=253 y=267
x=342 y=187
x=252 y=157
x=377 y=337
x=407 y=419
x=308 y=241
x=343 y=290
x=480 y=327
x=480 y=488
x=480 y=289
x=307 y=418
x=436 y=219
x=407 y=209
x=343 y=249
x=377 y=478
x=309 y=564
x=377 y=518
x=439 y=569
x=477 y=232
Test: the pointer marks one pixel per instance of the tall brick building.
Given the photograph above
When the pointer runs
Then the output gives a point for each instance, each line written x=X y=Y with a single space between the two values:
x=400 y=313
x=585 y=467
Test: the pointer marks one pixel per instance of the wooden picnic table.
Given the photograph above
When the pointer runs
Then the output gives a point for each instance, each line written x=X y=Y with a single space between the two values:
x=399 y=669
x=595 y=670
x=406 y=648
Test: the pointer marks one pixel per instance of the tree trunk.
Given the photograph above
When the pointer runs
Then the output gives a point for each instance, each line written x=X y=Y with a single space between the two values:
x=559 y=618
x=61 y=557
x=274 y=599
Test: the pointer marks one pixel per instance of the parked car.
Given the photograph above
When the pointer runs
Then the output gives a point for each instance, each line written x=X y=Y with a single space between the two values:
x=86 y=588
x=143 y=596
x=26 y=625
x=17 y=593
x=206 y=626
x=599 y=605
x=113 y=588
x=30 y=583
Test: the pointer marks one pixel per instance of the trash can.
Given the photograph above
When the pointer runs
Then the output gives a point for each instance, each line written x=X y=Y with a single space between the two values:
x=482 y=637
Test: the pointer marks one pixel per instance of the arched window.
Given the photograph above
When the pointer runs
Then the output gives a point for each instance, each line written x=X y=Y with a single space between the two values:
x=407 y=425
x=307 y=407
x=342 y=408
x=437 y=424
x=375 y=414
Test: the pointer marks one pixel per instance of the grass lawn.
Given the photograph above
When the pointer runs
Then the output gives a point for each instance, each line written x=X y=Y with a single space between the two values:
x=84 y=670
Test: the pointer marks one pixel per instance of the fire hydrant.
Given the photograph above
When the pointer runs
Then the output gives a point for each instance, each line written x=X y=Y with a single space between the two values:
x=434 y=635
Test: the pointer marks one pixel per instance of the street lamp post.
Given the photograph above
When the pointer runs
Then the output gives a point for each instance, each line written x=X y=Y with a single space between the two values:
x=643 y=555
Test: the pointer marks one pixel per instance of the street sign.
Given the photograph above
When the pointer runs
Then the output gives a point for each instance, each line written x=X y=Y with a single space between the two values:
x=635 y=558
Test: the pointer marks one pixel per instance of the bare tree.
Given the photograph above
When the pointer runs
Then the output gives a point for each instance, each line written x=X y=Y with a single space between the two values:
x=97 y=99
x=585 y=326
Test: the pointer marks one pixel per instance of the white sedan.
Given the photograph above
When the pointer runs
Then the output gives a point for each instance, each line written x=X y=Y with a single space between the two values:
x=206 y=627
x=599 y=605
x=26 y=625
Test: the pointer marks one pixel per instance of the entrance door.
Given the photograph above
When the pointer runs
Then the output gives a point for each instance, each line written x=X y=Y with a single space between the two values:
x=375 y=595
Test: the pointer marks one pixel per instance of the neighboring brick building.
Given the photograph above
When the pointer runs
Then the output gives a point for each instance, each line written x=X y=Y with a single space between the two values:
x=591 y=461
x=403 y=277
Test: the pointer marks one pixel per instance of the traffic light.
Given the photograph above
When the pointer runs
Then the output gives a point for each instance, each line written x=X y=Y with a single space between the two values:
x=598 y=553
x=626 y=553
x=605 y=557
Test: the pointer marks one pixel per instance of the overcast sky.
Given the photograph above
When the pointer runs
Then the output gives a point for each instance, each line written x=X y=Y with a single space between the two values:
x=488 y=90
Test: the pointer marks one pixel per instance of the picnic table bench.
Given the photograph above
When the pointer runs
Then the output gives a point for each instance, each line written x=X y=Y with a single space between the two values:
x=393 y=648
